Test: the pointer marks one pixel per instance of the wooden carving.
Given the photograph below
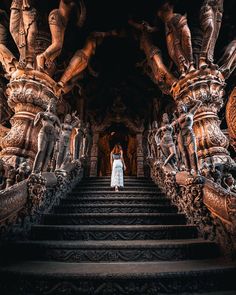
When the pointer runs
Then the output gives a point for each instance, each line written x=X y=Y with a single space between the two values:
x=210 y=19
x=58 y=19
x=7 y=59
x=231 y=117
x=178 y=38
x=160 y=74
x=23 y=28
x=228 y=60
x=80 y=60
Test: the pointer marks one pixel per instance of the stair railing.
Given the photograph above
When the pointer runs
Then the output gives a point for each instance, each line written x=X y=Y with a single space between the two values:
x=23 y=204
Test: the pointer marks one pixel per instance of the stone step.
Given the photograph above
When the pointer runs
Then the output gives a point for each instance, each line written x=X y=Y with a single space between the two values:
x=108 y=188
x=115 y=208
x=103 y=178
x=122 y=194
x=112 y=232
x=105 y=251
x=127 y=182
x=114 y=218
x=114 y=200
x=168 y=277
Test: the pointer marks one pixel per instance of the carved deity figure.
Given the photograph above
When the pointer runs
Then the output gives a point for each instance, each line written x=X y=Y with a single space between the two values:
x=160 y=74
x=166 y=142
x=22 y=172
x=178 y=38
x=149 y=141
x=11 y=176
x=186 y=137
x=87 y=140
x=78 y=141
x=7 y=59
x=70 y=122
x=46 y=137
x=58 y=19
x=23 y=28
x=228 y=60
x=210 y=19
x=81 y=58
x=2 y=175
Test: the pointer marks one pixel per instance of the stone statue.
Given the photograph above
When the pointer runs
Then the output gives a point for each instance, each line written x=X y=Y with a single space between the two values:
x=149 y=141
x=55 y=150
x=166 y=143
x=186 y=137
x=80 y=60
x=228 y=60
x=154 y=148
x=78 y=141
x=46 y=137
x=159 y=73
x=88 y=139
x=7 y=59
x=2 y=175
x=58 y=19
x=11 y=176
x=22 y=172
x=228 y=182
x=178 y=38
x=23 y=28
x=70 y=122
x=210 y=19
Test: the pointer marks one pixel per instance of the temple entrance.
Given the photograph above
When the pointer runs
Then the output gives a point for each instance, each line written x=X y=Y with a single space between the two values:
x=117 y=134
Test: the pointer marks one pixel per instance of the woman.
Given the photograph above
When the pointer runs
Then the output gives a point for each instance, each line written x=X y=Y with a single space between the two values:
x=117 y=166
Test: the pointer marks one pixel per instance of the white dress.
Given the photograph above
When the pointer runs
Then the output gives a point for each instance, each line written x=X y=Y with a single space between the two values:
x=117 y=176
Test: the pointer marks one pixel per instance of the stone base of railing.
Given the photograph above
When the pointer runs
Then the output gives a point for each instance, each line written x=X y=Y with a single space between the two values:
x=206 y=204
x=24 y=203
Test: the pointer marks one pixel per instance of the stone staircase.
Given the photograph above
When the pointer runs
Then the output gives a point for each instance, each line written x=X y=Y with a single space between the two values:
x=98 y=241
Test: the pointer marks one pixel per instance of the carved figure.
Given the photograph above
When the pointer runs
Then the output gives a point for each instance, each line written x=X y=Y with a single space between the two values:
x=64 y=141
x=78 y=140
x=23 y=28
x=58 y=19
x=2 y=175
x=87 y=140
x=46 y=137
x=228 y=60
x=80 y=60
x=228 y=182
x=166 y=142
x=149 y=141
x=7 y=59
x=186 y=137
x=154 y=152
x=178 y=38
x=160 y=74
x=11 y=176
x=210 y=19
x=22 y=172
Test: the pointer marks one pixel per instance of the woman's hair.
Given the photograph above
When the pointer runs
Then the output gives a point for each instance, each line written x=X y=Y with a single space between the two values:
x=117 y=149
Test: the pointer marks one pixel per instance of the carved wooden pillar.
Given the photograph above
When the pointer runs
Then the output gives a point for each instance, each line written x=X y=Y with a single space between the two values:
x=94 y=155
x=207 y=86
x=231 y=118
x=27 y=95
x=140 y=158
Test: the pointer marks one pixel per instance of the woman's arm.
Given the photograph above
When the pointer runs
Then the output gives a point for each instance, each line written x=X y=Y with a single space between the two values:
x=111 y=160
x=122 y=159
